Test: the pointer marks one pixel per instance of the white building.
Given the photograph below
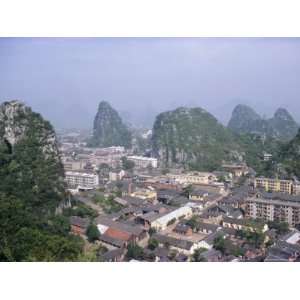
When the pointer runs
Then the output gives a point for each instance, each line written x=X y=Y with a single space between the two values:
x=85 y=180
x=193 y=178
x=143 y=162
x=116 y=175
x=162 y=222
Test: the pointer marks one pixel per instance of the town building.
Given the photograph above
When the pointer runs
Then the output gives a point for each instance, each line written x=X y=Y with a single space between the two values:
x=198 y=195
x=116 y=175
x=82 y=180
x=161 y=220
x=118 y=234
x=148 y=194
x=274 y=207
x=143 y=162
x=193 y=178
x=237 y=170
x=183 y=246
x=245 y=224
x=79 y=225
x=274 y=185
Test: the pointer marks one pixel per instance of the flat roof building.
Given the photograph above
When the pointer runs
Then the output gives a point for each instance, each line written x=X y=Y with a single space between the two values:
x=84 y=180
x=143 y=162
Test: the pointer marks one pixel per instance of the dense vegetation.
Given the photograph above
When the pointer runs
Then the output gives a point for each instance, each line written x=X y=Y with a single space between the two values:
x=32 y=188
x=193 y=138
x=109 y=130
x=289 y=157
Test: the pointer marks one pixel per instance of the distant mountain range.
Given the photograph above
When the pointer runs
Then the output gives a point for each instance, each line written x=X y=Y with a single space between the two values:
x=193 y=138
x=281 y=126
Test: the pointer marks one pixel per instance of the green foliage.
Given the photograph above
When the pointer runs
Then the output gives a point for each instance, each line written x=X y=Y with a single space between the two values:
x=134 y=252
x=192 y=138
x=109 y=130
x=152 y=244
x=24 y=236
x=152 y=231
x=226 y=247
x=289 y=157
x=107 y=203
x=187 y=190
x=32 y=188
x=197 y=255
x=192 y=222
x=280 y=227
x=81 y=210
x=256 y=239
x=92 y=233
x=127 y=164
x=219 y=243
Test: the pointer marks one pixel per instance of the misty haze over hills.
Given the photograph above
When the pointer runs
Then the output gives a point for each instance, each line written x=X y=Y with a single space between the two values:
x=65 y=79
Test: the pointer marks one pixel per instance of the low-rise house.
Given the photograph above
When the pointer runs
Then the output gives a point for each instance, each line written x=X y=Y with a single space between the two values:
x=245 y=224
x=237 y=170
x=283 y=251
x=293 y=237
x=165 y=196
x=229 y=232
x=116 y=175
x=160 y=221
x=148 y=194
x=212 y=255
x=183 y=229
x=207 y=228
x=198 y=195
x=116 y=230
x=115 y=255
x=79 y=225
x=208 y=242
x=182 y=246
x=112 y=243
x=134 y=201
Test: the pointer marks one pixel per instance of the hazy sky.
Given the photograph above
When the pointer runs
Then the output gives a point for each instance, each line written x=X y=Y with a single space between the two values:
x=66 y=78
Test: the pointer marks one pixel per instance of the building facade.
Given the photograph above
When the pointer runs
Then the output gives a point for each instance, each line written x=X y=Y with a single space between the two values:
x=193 y=178
x=274 y=185
x=85 y=180
x=143 y=162
x=276 y=209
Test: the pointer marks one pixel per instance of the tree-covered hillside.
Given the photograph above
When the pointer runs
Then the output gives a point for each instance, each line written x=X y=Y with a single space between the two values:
x=194 y=138
x=109 y=129
x=31 y=189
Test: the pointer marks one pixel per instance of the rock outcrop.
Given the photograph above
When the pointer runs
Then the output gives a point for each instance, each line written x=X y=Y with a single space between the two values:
x=109 y=129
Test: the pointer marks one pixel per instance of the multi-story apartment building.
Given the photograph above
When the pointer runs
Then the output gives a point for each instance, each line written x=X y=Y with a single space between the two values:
x=143 y=162
x=84 y=180
x=274 y=185
x=274 y=207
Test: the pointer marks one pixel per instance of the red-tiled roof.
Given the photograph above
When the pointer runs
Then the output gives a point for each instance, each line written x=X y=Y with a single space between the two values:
x=117 y=234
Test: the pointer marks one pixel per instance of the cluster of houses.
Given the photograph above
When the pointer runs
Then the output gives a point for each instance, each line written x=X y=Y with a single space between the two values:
x=184 y=213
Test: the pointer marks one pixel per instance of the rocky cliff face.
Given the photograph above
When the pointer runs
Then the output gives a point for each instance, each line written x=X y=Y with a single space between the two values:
x=30 y=164
x=109 y=130
x=193 y=137
x=281 y=126
x=18 y=120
